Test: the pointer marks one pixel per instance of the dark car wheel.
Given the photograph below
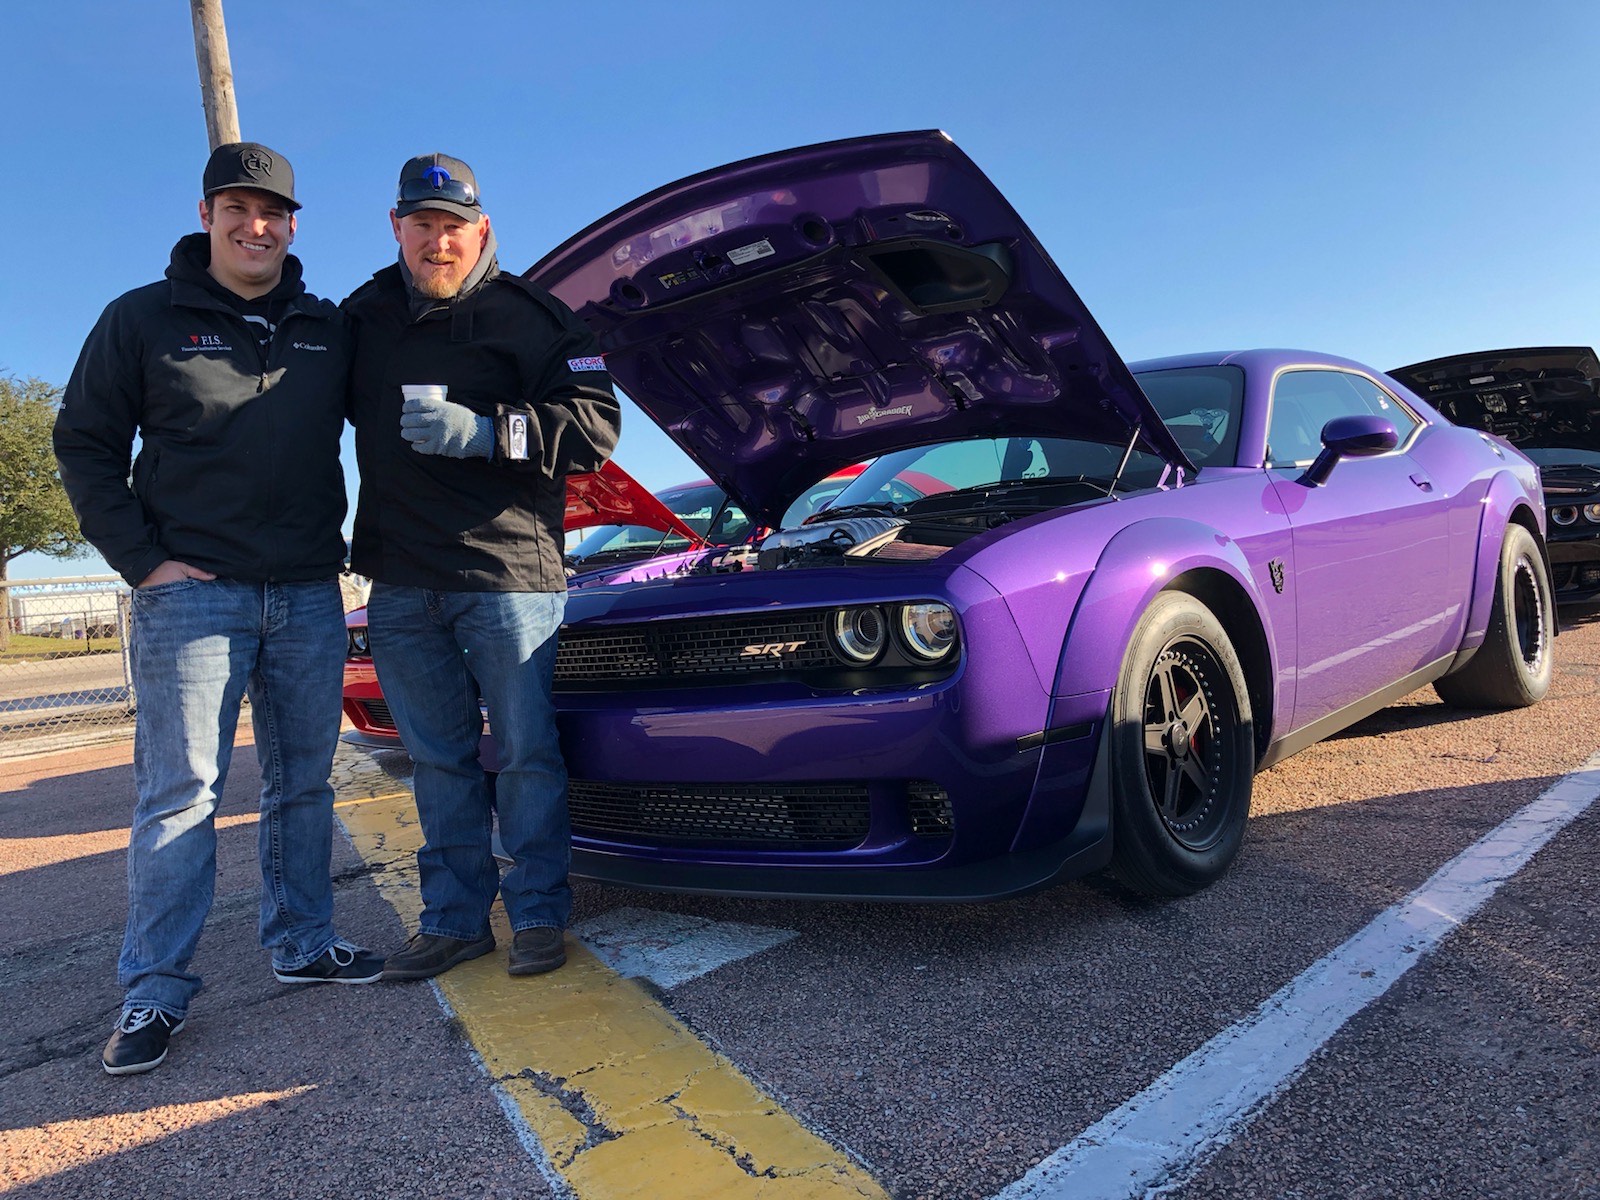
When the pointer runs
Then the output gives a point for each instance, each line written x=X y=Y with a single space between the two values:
x=1512 y=667
x=1182 y=751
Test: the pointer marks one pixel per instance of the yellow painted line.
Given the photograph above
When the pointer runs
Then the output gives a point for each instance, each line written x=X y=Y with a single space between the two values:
x=624 y=1099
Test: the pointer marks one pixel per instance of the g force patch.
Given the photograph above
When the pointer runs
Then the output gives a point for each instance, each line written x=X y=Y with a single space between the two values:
x=596 y=363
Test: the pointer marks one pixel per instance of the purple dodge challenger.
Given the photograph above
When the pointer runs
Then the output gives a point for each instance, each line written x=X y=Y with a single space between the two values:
x=1070 y=608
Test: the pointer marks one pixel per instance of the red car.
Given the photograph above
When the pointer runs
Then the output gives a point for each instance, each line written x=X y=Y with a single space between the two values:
x=609 y=496
x=629 y=523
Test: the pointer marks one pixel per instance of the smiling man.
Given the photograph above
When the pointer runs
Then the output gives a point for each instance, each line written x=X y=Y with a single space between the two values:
x=473 y=393
x=232 y=375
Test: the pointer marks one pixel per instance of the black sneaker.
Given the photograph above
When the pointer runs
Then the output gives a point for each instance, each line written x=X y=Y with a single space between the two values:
x=537 y=950
x=140 y=1042
x=340 y=963
x=429 y=954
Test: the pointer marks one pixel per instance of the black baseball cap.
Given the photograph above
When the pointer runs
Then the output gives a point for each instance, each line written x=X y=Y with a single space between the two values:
x=438 y=181
x=249 y=165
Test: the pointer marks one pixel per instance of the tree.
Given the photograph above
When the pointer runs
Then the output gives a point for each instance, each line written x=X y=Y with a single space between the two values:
x=35 y=515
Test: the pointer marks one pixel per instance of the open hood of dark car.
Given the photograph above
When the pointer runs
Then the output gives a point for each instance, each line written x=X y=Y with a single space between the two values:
x=1533 y=396
x=610 y=496
x=787 y=315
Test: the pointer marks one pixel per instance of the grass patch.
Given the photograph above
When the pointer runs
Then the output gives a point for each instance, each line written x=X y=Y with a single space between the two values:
x=25 y=647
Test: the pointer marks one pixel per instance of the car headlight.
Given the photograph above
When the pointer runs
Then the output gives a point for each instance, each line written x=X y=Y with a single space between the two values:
x=1591 y=512
x=927 y=630
x=1566 y=514
x=357 y=635
x=859 y=634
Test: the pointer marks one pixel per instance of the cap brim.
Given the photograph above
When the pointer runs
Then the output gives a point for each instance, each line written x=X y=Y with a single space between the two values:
x=465 y=211
x=294 y=205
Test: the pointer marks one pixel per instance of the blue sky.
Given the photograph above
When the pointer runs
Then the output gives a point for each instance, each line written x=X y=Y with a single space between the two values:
x=1387 y=181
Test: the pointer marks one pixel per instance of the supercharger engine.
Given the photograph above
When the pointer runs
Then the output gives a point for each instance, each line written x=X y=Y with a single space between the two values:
x=828 y=542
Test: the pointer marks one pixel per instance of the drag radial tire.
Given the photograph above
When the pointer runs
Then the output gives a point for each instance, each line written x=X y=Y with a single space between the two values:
x=1512 y=667
x=1182 y=751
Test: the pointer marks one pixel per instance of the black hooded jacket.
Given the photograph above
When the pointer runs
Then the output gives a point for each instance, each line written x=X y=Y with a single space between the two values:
x=238 y=471
x=503 y=346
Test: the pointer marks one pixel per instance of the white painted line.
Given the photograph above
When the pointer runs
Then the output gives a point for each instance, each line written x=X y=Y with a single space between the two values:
x=670 y=948
x=1160 y=1137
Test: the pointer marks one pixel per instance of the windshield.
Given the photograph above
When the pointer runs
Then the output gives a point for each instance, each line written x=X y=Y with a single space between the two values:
x=696 y=505
x=1200 y=405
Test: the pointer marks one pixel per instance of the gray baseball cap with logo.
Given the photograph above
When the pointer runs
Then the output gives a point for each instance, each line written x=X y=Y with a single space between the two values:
x=438 y=181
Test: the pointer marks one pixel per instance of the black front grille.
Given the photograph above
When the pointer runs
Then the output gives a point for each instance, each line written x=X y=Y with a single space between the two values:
x=687 y=650
x=929 y=809
x=824 y=816
x=378 y=713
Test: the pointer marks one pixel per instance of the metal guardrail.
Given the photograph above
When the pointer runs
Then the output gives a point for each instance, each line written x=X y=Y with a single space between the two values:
x=63 y=659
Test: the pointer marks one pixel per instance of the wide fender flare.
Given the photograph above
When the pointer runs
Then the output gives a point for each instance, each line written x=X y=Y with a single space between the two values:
x=1505 y=496
x=1138 y=563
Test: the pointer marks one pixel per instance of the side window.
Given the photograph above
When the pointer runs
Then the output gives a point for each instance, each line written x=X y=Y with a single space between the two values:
x=1304 y=401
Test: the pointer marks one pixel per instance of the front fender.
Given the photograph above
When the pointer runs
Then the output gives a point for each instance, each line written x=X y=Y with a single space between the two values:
x=1506 y=495
x=1136 y=564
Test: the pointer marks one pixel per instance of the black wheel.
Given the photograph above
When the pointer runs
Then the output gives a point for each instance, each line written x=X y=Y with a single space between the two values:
x=1182 y=751
x=1512 y=667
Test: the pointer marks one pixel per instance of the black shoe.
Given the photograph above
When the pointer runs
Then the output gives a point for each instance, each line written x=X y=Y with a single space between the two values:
x=428 y=954
x=340 y=963
x=140 y=1042
x=537 y=950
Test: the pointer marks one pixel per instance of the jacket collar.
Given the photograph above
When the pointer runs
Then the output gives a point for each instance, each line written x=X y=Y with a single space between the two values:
x=193 y=286
x=486 y=268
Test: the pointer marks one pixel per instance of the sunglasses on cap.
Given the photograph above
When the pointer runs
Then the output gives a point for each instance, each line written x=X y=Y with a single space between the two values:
x=438 y=186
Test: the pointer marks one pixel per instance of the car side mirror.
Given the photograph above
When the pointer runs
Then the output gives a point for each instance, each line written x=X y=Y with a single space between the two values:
x=1350 y=437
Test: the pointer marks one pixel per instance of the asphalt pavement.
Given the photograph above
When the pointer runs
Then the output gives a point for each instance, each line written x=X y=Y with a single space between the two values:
x=929 y=1051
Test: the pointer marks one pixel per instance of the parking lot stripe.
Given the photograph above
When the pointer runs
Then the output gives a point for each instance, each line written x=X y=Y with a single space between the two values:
x=623 y=1100
x=1160 y=1137
x=672 y=948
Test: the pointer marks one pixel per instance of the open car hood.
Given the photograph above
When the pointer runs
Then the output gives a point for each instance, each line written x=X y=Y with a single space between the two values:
x=1533 y=396
x=787 y=315
x=610 y=496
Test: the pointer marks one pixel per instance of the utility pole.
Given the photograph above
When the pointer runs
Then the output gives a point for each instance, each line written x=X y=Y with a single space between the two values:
x=216 y=72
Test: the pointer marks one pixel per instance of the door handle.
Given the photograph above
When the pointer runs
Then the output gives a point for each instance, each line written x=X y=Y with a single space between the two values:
x=1422 y=481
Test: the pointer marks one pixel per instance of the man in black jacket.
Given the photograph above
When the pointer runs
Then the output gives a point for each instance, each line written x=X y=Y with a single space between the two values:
x=473 y=394
x=233 y=377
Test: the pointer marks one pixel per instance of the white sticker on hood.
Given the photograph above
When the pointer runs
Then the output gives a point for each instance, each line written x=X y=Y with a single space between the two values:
x=877 y=414
x=751 y=252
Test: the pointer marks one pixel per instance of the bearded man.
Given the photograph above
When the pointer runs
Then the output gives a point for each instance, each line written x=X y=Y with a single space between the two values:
x=473 y=393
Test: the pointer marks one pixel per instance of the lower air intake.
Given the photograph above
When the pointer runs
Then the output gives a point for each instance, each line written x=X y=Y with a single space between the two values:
x=777 y=816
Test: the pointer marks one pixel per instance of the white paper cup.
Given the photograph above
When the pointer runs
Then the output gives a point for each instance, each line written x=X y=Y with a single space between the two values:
x=423 y=391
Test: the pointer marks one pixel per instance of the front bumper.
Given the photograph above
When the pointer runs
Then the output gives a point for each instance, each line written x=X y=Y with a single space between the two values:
x=1574 y=566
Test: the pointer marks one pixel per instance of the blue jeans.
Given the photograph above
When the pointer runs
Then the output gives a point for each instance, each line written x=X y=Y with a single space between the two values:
x=436 y=653
x=197 y=647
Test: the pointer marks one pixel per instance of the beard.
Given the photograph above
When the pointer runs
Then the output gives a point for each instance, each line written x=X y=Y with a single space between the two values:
x=443 y=282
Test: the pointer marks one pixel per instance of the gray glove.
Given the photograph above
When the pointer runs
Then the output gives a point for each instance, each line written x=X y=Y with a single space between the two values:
x=444 y=427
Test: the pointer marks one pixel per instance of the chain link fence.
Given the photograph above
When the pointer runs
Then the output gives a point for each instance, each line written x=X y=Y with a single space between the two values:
x=63 y=661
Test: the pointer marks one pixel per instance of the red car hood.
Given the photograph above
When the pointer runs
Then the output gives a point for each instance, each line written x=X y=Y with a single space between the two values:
x=610 y=496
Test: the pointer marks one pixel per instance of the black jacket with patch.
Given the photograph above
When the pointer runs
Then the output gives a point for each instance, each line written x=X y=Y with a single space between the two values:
x=238 y=470
x=473 y=524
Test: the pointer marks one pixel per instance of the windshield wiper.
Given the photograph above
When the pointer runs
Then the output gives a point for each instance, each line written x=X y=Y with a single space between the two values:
x=886 y=507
